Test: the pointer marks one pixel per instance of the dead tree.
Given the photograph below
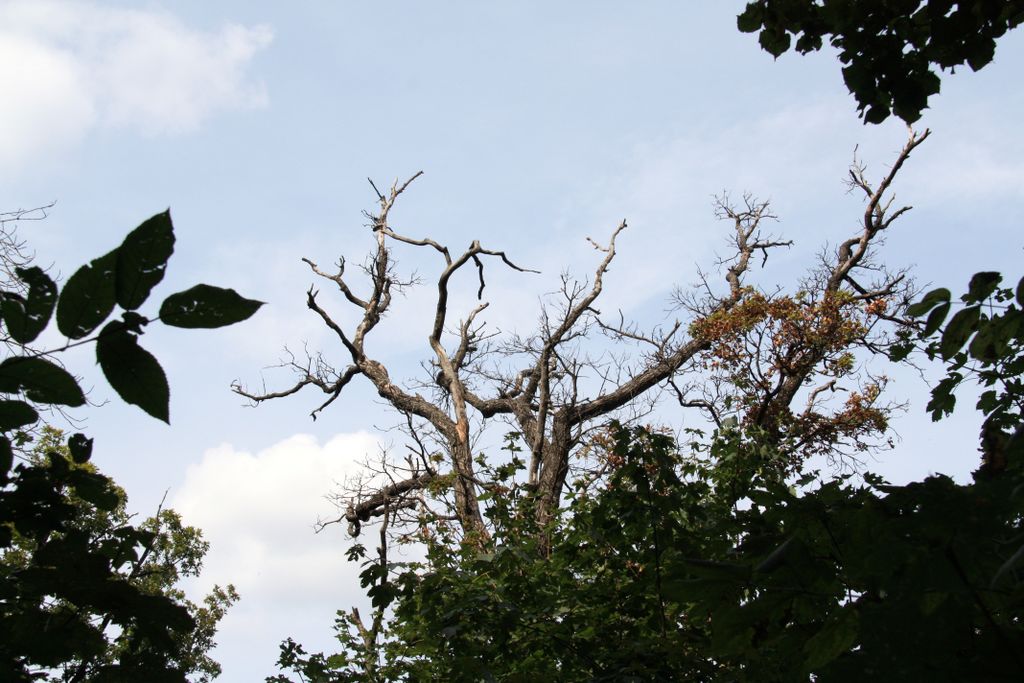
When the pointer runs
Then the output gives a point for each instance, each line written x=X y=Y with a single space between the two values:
x=552 y=394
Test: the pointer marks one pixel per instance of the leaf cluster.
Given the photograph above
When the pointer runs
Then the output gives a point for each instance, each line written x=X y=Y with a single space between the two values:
x=983 y=341
x=84 y=594
x=889 y=47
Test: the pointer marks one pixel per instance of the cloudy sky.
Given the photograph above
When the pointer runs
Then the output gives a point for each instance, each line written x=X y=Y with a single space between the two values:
x=536 y=124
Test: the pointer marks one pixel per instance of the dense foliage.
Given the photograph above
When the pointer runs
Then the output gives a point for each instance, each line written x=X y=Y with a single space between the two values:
x=889 y=47
x=106 y=561
x=84 y=594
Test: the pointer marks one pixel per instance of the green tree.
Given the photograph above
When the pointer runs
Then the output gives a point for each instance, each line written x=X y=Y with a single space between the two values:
x=890 y=48
x=84 y=594
x=170 y=551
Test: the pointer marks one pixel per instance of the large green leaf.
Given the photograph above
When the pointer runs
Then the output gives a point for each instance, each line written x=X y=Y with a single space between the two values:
x=15 y=414
x=207 y=306
x=41 y=380
x=88 y=297
x=142 y=260
x=837 y=636
x=132 y=371
x=27 y=318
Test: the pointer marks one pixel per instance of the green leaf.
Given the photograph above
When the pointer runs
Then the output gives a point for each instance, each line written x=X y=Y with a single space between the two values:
x=928 y=302
x=41 y=380
x=982 y=285
x=88 y=297
x=959 y=329
x=14 y=414
x=142 y=260
x=132 y=371
x=205 y=306
x=935 y=320
x=27 y=318
x=1020 y=292
x=837 y=636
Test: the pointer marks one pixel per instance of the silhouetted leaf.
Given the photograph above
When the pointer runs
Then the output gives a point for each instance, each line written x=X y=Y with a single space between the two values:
x=206 y=306
x=750 y=20
x=27 y=318
x=943 y=400
x=6 y=461
x=928 y=302
x=132 y=371
x=142 y=260
x=988 y=345
x=41 y=380
x=15 y=414
x=935 y=320
x=982 y=285
x=94 y=488
x=80 y=447
x=774 y=41
x=133 y=322
x=959 y=329
x=88 y=297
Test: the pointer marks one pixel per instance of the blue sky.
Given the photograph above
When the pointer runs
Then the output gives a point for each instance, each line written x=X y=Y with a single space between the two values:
x=536 y=124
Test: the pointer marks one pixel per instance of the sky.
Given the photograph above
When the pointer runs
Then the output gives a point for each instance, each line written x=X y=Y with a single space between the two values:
x=537 y=125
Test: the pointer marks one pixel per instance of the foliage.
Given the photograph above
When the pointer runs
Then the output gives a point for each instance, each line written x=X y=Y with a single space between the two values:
x=888 y=47
x=84 y=594
x=139 y=564
x=709 y=563
x=763 y=338
x=984 y=340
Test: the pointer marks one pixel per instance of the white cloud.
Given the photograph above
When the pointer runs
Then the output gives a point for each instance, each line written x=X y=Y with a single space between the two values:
x=48 y=105
x=67 y=67
x=257 y=511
